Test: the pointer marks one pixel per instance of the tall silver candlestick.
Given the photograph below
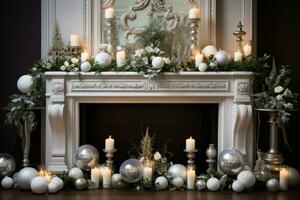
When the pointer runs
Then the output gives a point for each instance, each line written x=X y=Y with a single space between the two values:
x=211 y=153
x=194 y=25
x=109 y=155
x=111 y=49
x=190 y=154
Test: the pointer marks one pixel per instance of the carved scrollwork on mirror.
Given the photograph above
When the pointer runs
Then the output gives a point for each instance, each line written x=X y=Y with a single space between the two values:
x=108 y=4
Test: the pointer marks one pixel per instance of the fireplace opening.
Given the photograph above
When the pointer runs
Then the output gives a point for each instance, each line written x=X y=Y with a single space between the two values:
x=170 y=123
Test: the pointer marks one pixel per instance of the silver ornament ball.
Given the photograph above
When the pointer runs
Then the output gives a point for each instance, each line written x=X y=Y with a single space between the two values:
x=116 y=179
x=86 y=157
x=200 y=185
x=231 y=162
x=131 y=170
x=7 y=182
x=272 y=185
x=161 y=183
x=177 y=170
x=178 y=182
x=80 y=183
x=7 y=164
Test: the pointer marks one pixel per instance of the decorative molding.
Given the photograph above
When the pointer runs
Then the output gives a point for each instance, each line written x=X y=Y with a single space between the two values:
x=57 y=88
x=193 y=4
x=243 y=88
x=108 y=4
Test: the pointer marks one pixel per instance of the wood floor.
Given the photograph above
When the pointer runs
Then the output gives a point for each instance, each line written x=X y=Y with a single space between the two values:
x=159 y=195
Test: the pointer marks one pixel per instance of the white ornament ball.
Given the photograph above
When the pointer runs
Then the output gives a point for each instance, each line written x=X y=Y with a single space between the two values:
x=103 y=59
x=272 y=185
x=247 y=177
x=213 y=184
x=202 y=67
x=177 y=170
x=178 y=182
x=25 y=84
x=221 y=57
x=25 y=176
x=55 y=185
x=238 y=186
x=158 y=62
x=209 y=50
x=161 y=182
x=7 y=182
x=75 y=173
x=39 y=185
x=85 y=66
x=116 y=179
x=293 y=177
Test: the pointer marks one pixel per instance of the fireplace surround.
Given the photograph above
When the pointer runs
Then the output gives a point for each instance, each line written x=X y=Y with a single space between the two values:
x=66 y=91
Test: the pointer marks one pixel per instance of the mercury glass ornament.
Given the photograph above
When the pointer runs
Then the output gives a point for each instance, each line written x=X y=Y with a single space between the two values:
x=80 y=183
x=177 y=170
x=131 y=170
x=86 y=157
x=272 y=185
x=200 y=184
x=262 y=173
x=231 y=162
x=7 y=164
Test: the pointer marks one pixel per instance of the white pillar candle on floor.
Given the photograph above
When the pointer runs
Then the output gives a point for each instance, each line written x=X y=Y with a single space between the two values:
x=95 y=176
x=84 y=56
x=109 y=13
x=194 y=13
x=283 y=179
x=121 y=56
x=74 y=40
x=147 y=173
x=106 y=177
x=191 y=178
x=237 y=56
x=198 y=59
x=190 y=144
x=247 y=50
x=109 y=144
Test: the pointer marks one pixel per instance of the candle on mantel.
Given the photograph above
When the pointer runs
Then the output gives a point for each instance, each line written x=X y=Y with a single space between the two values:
x=191 y=178
x=106 y=177
x=147 y=173
x=283 y=179
x=237 y=56
x=190 y=144
x=45 y=174
x=198 y=59
x=194 y=13
x=109 y=13
x=109 y=144
x=84 y=56
x=74 y=40
x=95 y=176
x=121 y=56
x=247 y=50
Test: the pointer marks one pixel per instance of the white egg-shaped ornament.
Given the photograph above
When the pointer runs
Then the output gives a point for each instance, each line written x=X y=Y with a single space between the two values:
x=85 y=66
x=158 y=62
x=213 y=184
x=221 y=57
x=25 y=84
x=25 y=176
x=116 y=179
x=272 y=185
x=75 y=173
x=39 y=185
x=208 y=51
x=55 y=185
x=202 y=67
x=178 y=182
x=247 y=177
x=238 y=186
x=103 y=59
x=7 y=182
x=161 y=183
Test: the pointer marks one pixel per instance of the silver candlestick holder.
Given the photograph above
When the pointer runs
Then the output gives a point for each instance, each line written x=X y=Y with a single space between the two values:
x=190 y=154
x=75 y=51
x=109 y=155
x=111 y=49
x=211 y=153
x=194 y=25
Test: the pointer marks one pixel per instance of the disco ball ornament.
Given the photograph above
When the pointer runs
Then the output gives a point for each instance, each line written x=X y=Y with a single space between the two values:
x=177 y=170
x=80 y=183
x=131 y=170
x=231 y=162
x=7 y=164
x=86 y=157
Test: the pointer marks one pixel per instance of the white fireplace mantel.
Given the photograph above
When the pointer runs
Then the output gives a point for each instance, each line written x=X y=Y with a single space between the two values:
x=66 y=91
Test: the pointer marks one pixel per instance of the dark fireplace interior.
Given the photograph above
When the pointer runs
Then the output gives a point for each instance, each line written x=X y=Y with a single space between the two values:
x=171 y=124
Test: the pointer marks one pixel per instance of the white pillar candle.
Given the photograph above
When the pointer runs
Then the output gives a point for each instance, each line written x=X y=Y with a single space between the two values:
x=147 y=173
x=74 y=40
x=121 y=56
x=109 y=13
x=84 y=56
x=191 y=178
x=194 y=13
x=106 y=177
x=109 y=144
x=283 y=179
x=247 y=50
x=198 y=59
x=237 y=56
x=190 y=144
x=95 y=176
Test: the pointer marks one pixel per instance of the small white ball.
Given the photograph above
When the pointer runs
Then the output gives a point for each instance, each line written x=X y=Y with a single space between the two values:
x=103 y=59
x=238 y=186
x=52 y=188
x=202 y=67
x=209 y=50
x=7 y=182
x=116 y=179
x=55 y=185
x=272 y=185
x=25 y=176
x=85 y=66
x=247 y=177
x=39 y=185
x=213 y=184
x=75 y=173
x=178 y=182
x=158 y=62
x=161 y=182
x=221 y=57
x=25 y=84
